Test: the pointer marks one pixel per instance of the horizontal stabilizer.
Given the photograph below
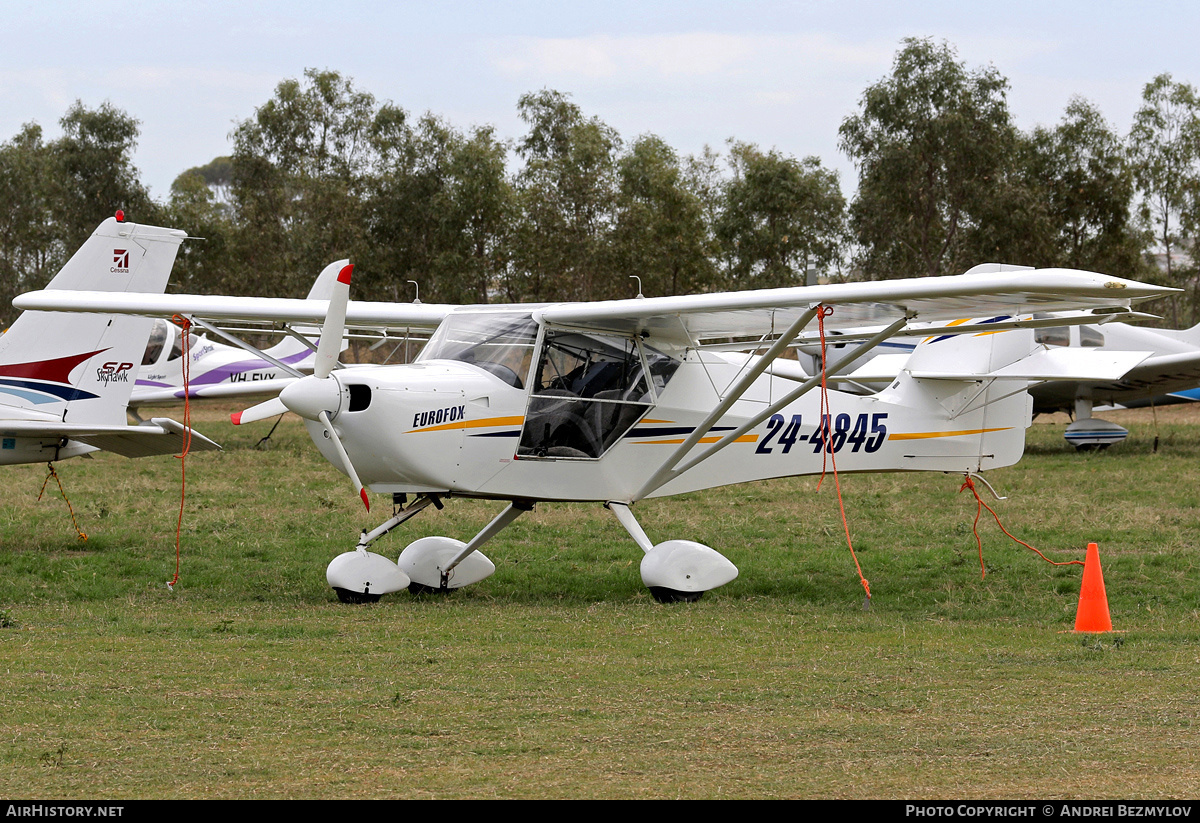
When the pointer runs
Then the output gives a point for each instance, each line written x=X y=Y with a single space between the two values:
x=268 y=408
x=1045 y=364
x=160 y=436
x=878 y=369
x=1054 y=364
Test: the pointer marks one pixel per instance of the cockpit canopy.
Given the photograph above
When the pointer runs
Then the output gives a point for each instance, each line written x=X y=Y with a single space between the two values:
x=158 y=340
x=588 y=388
x=499 y=342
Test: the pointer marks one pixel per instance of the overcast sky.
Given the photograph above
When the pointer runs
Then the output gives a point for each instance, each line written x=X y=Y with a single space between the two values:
x=780 y=74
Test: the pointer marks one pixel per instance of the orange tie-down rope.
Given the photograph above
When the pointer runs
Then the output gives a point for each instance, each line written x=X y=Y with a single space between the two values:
x=826 y=416
x=187 y=439
x=63 y=492
x=969 y=483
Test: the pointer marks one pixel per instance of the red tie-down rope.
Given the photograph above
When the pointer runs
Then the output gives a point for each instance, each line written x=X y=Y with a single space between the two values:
x=826 y=424
x=969 y=483
x=186 y=325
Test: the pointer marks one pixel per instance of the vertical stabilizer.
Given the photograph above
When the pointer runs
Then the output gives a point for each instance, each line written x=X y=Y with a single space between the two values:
x=292 y=351
x=81 y=368
x=968 y=413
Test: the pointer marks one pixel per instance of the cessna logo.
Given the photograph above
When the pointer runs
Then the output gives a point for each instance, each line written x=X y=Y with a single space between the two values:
x=114 y=372
x=120 y=261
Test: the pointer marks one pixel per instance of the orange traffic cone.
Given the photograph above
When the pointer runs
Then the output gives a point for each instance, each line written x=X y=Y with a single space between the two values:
x=1092 y=614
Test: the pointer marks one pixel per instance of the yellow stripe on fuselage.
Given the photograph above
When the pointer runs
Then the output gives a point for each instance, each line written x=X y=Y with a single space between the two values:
x=485 y=422
x=929 y=435
x=745 y=438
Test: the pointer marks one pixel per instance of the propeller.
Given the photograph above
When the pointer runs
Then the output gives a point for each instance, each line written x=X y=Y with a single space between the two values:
x=317 y=396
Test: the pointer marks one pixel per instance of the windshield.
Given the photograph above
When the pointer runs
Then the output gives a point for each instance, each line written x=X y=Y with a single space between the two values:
x=501 y=343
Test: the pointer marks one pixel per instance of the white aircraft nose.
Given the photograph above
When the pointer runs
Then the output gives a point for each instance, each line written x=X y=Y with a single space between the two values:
x=309 y=396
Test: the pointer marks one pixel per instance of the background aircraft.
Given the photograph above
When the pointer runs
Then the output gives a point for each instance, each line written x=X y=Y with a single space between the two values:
x=222 y=370
x=621 y=400
x=1169 y=374
x=65 y=380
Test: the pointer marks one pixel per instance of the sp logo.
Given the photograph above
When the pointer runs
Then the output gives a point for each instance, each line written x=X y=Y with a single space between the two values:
x=120 y=261
x=114 y=372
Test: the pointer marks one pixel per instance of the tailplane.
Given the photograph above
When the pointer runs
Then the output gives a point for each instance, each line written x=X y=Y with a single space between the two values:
x=66 y=378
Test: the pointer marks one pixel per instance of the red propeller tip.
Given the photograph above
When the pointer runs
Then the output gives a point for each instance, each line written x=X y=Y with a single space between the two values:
x=344 y=274
x=236 y=418
x=363 y=494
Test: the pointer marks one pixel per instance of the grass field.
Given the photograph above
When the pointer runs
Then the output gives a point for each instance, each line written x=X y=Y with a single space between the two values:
x=560 y=677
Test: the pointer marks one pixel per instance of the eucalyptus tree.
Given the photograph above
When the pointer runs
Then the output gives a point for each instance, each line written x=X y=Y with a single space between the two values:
x=202 y=265
x=55 y=193
x=930 y=143
x=1082 y=171
x=30 y=252
x=566 y=196
x=780 y=217
x=299 y=169
x=1165 y=143
x=93 y=175
x=659 y=232
x=439 y=209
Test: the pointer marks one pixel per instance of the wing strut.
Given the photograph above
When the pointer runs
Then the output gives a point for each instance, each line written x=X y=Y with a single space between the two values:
x=514 y=510
x=667 y=472
x=241 y=344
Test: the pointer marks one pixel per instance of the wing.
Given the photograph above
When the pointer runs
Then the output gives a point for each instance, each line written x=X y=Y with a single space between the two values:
x=691 y=319
x=685 y=320
x=1153 y=377
x=160 y=436
x=359 y=314
x=150 y=395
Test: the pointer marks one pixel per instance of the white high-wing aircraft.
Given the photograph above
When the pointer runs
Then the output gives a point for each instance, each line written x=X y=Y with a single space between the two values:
x=224 y=370
x=621 y=400
x=65 y=380
x=1169 y=372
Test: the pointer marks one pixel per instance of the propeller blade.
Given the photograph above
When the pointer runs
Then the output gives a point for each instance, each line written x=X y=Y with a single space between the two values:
x=346 y=464
x=268 y=408
x=334 y=327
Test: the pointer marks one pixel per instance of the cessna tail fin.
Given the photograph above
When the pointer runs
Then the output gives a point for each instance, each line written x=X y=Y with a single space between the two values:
x=80 y=368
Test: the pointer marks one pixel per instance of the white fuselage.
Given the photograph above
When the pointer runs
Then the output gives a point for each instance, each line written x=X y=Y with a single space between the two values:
x=452 y=427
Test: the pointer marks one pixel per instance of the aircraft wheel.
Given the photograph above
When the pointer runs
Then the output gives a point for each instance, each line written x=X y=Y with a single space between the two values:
x=664 y=595
x=347 y=596
x=420 y=588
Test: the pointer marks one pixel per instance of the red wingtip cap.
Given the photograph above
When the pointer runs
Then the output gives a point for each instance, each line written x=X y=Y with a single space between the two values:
x=120 y=216
x=363 y=494
x=344 y=274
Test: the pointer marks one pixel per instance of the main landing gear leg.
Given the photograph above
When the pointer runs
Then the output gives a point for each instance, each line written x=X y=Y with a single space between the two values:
x=676 y=570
